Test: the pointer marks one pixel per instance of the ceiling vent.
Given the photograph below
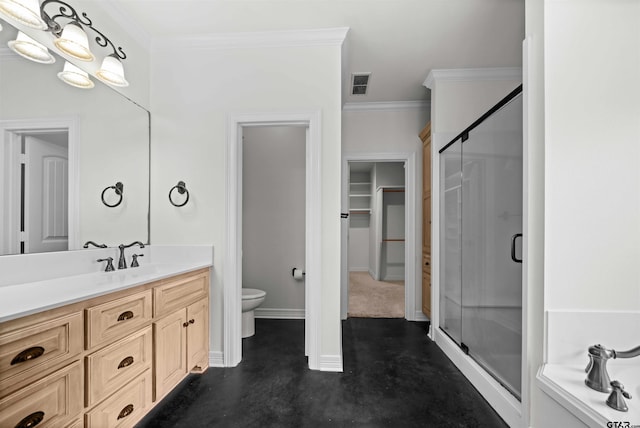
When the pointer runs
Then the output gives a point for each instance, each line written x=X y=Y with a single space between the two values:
x=359 y=83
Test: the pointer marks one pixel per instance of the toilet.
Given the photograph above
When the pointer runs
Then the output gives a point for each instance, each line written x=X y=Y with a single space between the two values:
x=251 y=299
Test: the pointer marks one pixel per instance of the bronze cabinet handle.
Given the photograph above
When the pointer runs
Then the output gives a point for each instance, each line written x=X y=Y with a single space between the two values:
x=191 y=321
x=185 y=324
x=126 y=362
x=127 y=315
x=32 y=420
x=128 y=409
x=28 y=354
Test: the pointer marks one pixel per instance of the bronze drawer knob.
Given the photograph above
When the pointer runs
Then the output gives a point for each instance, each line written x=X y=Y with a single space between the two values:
x=128 y=409
x=28 y=354
x=125 y=316
x=32 y=420
x=125 y=363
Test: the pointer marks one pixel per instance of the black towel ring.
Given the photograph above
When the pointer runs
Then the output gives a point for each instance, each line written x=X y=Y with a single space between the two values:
x=119 y=189
x=182 y=189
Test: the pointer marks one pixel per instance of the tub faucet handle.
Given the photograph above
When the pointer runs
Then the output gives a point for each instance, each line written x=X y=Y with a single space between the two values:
x=617 y=396
x=597 y=376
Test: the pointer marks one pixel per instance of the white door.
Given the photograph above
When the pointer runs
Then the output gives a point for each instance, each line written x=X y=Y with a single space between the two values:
x=46 y=196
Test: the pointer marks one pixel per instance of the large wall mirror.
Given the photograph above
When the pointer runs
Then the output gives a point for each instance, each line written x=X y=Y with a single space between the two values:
x=62 y=152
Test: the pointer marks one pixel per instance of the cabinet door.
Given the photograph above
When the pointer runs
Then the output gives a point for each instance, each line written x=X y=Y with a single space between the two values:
x=170 y=355
x=198 y=335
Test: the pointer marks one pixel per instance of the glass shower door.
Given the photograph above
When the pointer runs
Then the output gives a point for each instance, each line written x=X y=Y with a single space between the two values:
x=491 y=243
x=450 y=241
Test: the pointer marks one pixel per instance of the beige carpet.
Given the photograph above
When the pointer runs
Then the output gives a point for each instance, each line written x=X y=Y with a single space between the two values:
x=369 y=298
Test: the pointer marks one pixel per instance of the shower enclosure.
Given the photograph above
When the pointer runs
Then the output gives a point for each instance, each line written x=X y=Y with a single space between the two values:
x=481 y=241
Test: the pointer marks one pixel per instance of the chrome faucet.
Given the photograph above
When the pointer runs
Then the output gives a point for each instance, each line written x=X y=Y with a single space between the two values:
x=86 y=245
x=597 y=376
x=122 y=262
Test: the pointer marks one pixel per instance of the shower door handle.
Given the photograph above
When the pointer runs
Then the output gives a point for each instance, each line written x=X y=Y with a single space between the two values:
x=513 y=247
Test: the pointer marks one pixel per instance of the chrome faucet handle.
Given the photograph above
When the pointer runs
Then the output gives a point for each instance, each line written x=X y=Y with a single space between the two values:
x=617 y=396
x=134 y=262
x=109 y=266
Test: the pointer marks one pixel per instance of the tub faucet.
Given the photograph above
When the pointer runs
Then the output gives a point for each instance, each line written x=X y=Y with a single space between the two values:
x=86 y=245
x=122 y=262
x=597 y=376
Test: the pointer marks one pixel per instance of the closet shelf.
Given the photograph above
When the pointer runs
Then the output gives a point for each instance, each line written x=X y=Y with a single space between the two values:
x=359 y=210
x=359 y=196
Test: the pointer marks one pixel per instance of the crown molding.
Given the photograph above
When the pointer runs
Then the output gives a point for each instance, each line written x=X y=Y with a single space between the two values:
x=265 y=39
x=387 y=106
x=472 y=75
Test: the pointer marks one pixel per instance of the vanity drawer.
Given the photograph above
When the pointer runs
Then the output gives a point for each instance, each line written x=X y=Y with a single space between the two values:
x=114 y=319
x=124 y=408
x=180 y=293
x=54 y=400
x=113 y=366
x=36 y=349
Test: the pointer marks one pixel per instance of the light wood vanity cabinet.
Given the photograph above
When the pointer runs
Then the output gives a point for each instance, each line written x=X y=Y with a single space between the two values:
x=95 y=363
x=181 y=336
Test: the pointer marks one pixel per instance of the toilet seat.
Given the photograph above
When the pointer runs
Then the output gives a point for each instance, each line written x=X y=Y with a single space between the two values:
x=252 y=293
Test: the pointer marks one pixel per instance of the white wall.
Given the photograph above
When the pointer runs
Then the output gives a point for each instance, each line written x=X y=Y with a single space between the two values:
x=592 y=149
x=191 y=105
x=273 y=232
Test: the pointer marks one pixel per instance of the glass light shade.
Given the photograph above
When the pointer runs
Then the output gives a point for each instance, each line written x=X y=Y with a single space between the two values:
x=75 y=77
x=74 y=42
x=26 y=12
x=112 y=71
x=30 y=49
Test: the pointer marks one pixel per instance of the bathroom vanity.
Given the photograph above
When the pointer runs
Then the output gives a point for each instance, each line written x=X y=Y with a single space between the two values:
x=100 y=349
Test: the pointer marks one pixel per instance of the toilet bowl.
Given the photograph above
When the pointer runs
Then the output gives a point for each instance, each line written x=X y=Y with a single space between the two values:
x=251 y=299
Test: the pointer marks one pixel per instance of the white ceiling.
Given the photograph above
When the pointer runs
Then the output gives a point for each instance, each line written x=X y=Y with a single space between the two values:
x=398 y=41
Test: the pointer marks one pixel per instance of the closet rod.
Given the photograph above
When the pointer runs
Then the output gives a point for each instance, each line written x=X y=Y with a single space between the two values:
x=393 y=190
x=393 y=240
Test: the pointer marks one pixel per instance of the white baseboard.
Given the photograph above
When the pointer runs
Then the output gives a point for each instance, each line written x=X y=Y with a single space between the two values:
x=359 y=269
x=393 y=278
x=216 y=359
x=331 y=363
x=420 y=316
x=275 y=313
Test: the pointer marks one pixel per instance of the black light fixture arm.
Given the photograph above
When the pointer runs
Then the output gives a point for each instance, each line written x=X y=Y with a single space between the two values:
x=66 y=11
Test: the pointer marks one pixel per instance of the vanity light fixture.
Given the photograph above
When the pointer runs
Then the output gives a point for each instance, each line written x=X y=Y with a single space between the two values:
x=75 y=76
x=26 y=12
x=74 y=42
x=70 y=30
x=30 y=49
x=112 y=71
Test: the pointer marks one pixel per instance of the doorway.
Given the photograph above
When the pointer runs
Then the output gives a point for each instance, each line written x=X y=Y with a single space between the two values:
x=37 y=186
x=273 y=218
x=232 y=299
x=379 y=236
x=376 y=240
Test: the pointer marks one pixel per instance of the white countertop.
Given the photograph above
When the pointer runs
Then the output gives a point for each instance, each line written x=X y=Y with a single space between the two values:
x=52 y=285
x=30 y=298
x=565 y=384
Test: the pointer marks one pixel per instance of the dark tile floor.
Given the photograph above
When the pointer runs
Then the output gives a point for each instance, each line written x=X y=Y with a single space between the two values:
x=394 y=376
